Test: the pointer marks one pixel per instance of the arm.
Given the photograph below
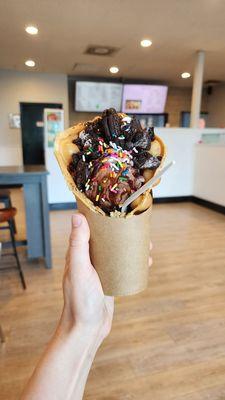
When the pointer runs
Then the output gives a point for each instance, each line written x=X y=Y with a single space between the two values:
x=86 y=320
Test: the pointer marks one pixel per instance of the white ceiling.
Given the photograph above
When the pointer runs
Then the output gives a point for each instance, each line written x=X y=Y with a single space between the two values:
x=66 y=27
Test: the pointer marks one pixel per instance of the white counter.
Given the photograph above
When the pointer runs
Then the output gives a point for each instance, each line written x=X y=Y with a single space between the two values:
x=178 y=181
x=209 y=177
x=181 y=179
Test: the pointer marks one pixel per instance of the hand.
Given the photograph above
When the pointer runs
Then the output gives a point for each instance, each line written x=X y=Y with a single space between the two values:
x=86 y=320
x=85 y=304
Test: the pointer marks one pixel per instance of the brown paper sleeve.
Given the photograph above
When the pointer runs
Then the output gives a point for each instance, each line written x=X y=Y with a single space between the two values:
x=119 y=249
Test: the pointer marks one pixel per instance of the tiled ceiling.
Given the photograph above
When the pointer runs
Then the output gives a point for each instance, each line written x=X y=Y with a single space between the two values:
x=67 y=27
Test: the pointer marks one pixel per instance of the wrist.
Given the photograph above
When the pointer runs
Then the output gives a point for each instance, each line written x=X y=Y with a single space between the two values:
x=88 y=334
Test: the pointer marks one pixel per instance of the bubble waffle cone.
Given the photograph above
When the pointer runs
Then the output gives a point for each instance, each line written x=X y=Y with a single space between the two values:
x=64 y=148
x=119 y=243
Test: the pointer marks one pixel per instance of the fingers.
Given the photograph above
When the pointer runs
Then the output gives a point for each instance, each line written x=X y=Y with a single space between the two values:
x=78 y=251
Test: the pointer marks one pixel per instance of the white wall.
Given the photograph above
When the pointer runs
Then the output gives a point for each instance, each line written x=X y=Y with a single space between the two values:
x=209 y=179
x=16 y=87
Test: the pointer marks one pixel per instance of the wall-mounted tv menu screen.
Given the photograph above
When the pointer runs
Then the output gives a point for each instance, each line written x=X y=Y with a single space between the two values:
x=144 y=99
x=97 y=96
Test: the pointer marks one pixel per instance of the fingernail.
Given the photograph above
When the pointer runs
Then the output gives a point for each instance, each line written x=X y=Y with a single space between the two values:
x=76 y=220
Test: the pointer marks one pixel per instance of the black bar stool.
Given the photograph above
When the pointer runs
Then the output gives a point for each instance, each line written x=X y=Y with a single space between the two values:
x=7 y=215
x=6 y=200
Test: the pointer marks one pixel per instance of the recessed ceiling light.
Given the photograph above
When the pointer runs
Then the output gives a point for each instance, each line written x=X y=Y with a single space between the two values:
x=30 y=63
x=185 y=75
x=101 y=51
x=146 y=43
x=114 y=69
x=32 y=30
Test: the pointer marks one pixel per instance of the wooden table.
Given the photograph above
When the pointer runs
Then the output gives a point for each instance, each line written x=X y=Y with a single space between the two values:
x=34 y=181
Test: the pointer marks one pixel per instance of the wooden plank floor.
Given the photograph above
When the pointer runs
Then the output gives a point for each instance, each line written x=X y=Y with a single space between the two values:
x=166 y=344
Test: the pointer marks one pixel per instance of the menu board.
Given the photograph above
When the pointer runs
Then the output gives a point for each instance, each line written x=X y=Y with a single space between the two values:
x=144 y=99
x=97 y=96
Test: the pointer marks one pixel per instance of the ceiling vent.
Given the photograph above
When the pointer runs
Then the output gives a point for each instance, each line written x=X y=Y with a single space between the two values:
x=101 y=50
x=81 y=68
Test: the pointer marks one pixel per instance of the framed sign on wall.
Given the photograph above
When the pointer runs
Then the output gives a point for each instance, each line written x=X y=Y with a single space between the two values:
x=14 y=121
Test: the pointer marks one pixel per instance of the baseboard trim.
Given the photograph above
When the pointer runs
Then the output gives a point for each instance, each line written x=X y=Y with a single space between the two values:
x=176 y=199
x=193 y=199
x=157 y=200
x=62 y=206
x=208 y=204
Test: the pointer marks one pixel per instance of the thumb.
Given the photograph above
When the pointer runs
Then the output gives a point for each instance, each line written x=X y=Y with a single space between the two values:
x=79 y=240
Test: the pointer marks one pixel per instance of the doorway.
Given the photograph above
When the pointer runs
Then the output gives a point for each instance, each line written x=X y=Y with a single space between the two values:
x=32 y=127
